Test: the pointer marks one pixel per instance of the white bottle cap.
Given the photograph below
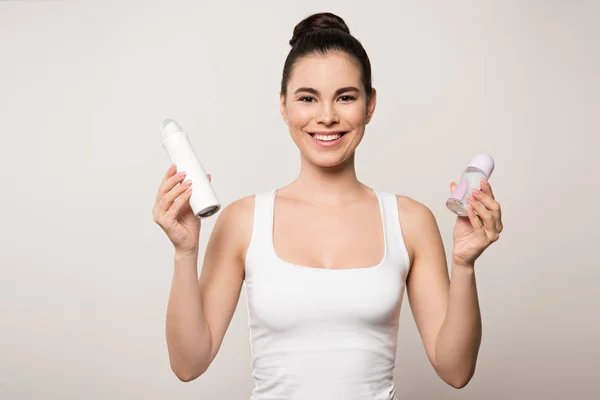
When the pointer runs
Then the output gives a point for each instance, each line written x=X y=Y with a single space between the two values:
x=483 y=162
x=169 y=127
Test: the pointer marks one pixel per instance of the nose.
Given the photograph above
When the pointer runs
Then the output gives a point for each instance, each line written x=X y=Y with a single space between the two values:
x=327 y=115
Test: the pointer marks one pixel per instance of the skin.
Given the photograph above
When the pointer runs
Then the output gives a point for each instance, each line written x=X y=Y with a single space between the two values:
x=317 y=216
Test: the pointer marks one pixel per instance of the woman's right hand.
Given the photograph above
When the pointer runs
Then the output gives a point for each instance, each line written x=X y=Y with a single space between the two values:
x=172 y=211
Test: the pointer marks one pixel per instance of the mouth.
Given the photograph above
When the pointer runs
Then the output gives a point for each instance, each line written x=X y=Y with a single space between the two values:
x=327 y=137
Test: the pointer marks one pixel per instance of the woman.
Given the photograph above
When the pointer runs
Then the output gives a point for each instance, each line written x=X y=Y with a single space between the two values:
x=325 y=259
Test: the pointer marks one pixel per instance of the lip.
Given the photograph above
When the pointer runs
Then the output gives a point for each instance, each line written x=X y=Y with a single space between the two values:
x=326 y=132
x=330 y=143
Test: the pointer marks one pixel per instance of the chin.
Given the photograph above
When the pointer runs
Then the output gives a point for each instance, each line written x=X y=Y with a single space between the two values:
x=330 y=160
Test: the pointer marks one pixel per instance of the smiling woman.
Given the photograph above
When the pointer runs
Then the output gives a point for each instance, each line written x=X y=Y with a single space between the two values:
x=327 y=107
x=327 y=138
x=325 y=259
x=327 y=75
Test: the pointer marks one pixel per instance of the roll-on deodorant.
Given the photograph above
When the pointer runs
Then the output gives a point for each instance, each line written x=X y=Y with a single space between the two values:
x=480 y=167
x=176 y=142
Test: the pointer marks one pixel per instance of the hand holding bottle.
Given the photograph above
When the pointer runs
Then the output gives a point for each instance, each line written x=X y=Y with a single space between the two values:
x=178 y=145
x=172 y=211
x=480 y=228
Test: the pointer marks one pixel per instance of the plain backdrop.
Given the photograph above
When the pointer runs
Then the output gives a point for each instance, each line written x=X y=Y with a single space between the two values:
x=85 y=273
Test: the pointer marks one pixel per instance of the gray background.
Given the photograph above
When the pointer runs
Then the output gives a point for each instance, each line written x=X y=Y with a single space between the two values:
x=85 y=273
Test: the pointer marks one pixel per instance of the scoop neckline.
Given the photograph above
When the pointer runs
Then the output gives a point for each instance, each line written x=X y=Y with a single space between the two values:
x=335 y=270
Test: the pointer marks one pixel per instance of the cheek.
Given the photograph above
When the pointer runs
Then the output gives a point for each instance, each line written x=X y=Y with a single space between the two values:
x=299 y=116
x=354 y=114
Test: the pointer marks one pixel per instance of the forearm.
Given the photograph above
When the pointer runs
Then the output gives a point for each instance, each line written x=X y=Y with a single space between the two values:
x=188 y=336
x=459 y=337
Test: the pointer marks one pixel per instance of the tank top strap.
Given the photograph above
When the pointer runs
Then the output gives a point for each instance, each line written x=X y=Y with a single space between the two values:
x=262 y=228
x=394 y=238
x=263 y=216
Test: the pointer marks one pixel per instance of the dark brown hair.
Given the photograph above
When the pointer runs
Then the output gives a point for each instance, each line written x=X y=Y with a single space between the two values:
x=323 y=33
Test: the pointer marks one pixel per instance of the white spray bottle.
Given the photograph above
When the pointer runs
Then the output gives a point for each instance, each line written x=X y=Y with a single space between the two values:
x=176 y=142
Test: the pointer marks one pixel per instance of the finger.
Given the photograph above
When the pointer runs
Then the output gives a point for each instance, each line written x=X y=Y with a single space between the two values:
x=452 y=187
x=172 y=170
x=180 y=203
x=486 y=188
x=169 y=183
x=492 y=205
x=475 y=221
x=209 y=177
x=485 y=216
x=169 y=197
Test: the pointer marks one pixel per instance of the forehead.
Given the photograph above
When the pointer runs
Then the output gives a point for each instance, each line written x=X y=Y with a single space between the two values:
x=325 y=71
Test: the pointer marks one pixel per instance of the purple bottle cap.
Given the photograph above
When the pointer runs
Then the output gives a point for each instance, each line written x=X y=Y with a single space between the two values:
x=483 y=162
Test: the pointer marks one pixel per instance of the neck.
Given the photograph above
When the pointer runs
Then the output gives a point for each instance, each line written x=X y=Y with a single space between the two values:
x=330 y=186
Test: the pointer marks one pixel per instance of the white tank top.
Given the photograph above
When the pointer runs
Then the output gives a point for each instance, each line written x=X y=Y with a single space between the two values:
x=323 y=333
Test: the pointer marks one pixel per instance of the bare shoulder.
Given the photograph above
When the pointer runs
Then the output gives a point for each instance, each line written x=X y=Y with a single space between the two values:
x=413 y=211
x=417 y=222
x=238 y=210
x=236 y=220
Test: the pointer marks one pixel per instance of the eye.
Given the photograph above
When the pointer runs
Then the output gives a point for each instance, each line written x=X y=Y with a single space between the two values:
x=347 y=98
x=306 y=99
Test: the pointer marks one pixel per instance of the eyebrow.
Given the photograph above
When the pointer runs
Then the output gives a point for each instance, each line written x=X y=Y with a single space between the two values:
x=337 y=92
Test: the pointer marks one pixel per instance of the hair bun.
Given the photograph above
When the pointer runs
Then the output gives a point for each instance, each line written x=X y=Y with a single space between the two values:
x=318 y=21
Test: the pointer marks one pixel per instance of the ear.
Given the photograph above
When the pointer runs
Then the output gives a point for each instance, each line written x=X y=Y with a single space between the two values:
x=283 y=108
x=371 y=105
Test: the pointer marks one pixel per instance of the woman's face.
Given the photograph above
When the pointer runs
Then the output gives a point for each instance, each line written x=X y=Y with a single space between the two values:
x=326 y=108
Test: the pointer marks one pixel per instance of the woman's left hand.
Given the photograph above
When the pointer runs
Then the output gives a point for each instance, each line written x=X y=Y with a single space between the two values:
x=482 y=227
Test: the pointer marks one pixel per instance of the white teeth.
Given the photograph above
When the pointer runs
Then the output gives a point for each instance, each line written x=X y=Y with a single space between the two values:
x=327 y=138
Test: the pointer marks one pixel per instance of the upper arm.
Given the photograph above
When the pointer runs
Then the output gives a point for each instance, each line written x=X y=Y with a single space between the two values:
x=428 y=280
x=222 y=271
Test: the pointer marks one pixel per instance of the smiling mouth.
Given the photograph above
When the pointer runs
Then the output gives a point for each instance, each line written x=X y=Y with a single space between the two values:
x=327 y=137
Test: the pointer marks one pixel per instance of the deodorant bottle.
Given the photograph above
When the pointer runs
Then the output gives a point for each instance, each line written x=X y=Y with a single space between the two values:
x=176 y=142
x=480 y=167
